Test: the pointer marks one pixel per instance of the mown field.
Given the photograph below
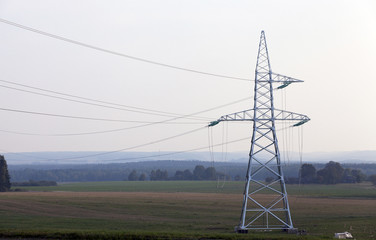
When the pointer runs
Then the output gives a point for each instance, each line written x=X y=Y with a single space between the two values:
x=177 y=210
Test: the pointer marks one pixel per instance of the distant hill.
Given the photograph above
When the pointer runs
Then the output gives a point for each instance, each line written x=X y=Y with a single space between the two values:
x=117 y=157
x=125 y=157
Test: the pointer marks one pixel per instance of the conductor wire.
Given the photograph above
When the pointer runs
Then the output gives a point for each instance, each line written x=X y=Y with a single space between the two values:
x=117 y=53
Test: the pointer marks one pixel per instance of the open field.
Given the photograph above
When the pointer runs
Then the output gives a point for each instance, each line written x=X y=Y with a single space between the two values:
x=363 y=190
x=178 y=210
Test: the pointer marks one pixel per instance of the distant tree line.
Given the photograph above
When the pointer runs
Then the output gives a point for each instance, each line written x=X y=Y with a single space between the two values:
x=32 y=183
x=88 y=174
x=199 y=173
x=332 y=173
x=180 y=170
x=133 y=176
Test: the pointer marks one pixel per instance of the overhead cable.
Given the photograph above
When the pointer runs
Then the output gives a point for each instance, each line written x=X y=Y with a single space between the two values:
x=139 y=110
x=150 y=156
x=145 y=124
x=157 y=155
x=133 y=147
x=174 y=153
x=89 y=118
x=117 y=53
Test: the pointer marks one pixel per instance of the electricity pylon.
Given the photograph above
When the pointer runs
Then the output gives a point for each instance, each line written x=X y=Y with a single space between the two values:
x=265 y=203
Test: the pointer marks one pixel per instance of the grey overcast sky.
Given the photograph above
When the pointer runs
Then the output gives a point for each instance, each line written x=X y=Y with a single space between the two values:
x=331 y=45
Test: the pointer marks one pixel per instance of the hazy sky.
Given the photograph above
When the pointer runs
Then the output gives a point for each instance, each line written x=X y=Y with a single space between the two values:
x=331 y=45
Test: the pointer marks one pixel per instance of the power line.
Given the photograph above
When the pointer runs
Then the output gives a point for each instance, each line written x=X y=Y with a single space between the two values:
x=89 y=118
x=139 y=110
x=93 y=104
x=133 y=147
x=65 y=134
x=145 y=144
x=150 y=156
x=113 y=130
x=79 y=134
x=136 y=158
x=179 y=152
x=117 y=53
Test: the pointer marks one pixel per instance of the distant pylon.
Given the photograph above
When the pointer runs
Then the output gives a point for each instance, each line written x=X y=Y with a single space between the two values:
x=265 y=204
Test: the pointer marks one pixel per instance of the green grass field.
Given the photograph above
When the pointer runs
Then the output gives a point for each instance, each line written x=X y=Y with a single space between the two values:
x=177 y=210
x=364 y=190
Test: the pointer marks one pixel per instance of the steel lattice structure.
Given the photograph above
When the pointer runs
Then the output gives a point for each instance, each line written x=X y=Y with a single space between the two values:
x=265 y=205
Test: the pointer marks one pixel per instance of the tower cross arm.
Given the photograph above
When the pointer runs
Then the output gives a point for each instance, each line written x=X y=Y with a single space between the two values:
x=263 y=114
x=284 y=80
x=276 y=77
x=291 y=116
x=247 y=115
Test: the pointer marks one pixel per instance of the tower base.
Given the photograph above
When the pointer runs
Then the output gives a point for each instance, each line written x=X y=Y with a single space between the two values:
x=287 y=230
x=292 y=231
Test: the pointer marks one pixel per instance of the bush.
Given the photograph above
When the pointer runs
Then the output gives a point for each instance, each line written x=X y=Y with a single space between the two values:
x=32 y=183
x=372 y=178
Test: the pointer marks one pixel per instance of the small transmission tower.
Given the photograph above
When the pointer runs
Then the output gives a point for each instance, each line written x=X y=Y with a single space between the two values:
x=265 y=204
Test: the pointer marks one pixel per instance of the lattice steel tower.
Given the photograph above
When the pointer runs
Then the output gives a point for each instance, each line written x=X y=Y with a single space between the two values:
x=265 y=204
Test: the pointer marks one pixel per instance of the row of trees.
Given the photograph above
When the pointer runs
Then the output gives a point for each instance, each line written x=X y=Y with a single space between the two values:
x=332 y=173
x=199 y=173
x=155 y=175
x=121 y=171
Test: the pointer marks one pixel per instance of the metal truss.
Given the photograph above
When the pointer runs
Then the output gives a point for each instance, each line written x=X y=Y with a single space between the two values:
x=249 y=115
x=265 y=204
